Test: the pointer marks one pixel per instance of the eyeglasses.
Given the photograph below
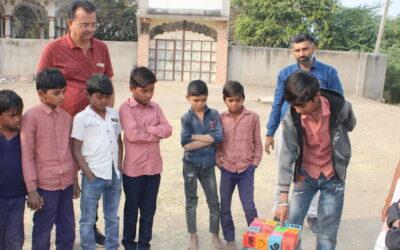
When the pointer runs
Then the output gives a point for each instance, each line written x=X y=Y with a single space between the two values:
x=86 y=25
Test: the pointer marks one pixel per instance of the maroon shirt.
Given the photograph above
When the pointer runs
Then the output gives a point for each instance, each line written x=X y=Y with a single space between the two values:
x=76 y=68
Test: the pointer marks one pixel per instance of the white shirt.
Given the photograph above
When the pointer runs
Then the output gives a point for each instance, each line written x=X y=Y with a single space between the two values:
x=100 y=140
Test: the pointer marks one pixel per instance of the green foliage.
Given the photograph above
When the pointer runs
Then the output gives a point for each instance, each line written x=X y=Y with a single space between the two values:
x=117 y=21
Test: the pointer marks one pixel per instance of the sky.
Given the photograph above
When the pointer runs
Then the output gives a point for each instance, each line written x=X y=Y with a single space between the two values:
x=394 y=8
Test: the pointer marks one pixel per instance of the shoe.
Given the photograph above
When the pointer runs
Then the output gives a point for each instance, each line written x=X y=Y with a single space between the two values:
x=313 y=224
x=100 y=239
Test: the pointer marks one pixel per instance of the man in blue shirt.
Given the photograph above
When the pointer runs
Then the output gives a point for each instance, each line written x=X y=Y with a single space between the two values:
x=303 y=48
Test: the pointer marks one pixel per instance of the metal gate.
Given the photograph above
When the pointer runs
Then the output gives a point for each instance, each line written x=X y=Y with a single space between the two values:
x=183 y=60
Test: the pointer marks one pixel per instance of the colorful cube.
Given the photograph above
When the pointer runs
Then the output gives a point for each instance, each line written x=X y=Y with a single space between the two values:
x=249 y=239
x=262 y=240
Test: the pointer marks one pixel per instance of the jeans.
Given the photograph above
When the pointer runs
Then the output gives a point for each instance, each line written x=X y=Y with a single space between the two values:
x=91 y=194
x=245 y=184
x=140 y=195
x=207 y=180
x=330 y=206
x=12 y=223
x=58 y=209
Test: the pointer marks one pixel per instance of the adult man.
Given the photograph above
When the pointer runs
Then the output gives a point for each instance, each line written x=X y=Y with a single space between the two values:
x=315 y=154
x=78 y=55
x=303 y=48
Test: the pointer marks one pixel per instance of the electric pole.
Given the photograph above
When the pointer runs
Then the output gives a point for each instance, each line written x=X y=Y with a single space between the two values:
x=381 y=27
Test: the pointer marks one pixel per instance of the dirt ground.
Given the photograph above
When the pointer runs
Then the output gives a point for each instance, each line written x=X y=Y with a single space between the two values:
x=376 y=147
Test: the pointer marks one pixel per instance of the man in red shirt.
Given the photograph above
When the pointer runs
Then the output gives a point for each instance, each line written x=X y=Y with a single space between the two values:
x=78 y=55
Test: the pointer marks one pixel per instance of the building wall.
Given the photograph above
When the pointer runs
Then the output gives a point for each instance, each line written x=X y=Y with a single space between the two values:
x=362 y=74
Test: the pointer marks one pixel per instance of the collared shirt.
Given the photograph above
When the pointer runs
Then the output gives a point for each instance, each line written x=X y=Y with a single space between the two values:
x=100 y=140
x=326 y=75
x=47 y=161
x=191 y=124
x=11 y=179
x=242 y=145
x=317 y=150
x=144 y=127
x=76 y=68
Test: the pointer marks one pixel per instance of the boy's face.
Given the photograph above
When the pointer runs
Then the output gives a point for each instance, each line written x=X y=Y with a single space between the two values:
x=197 y=102
x=98 y=101
x=234 y=104
x=10 y=120
x=52 y=97
x=308 y=107
x=143 y=95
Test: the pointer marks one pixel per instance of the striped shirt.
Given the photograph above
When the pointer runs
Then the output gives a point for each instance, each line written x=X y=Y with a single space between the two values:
x=47 y=161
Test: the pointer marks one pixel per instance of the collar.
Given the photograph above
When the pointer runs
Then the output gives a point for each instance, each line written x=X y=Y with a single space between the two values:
x=206 y=109
x=133 y=103
x=325 y=108
x=315 y=64
x=72 y=44
x=244 y=112
x=47 y=109
x=91 y=111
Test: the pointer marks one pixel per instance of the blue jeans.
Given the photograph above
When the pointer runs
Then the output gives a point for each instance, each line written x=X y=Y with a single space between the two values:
x=12 y=222
x=91 y=193
x=245 y=183
x=208 y=182
x=330 y=206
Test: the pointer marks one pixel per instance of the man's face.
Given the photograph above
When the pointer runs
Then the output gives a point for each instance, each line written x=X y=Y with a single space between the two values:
x=303 y=52
x=143 y=95
x=83 y=25
x=52 y=97
x=198 y=103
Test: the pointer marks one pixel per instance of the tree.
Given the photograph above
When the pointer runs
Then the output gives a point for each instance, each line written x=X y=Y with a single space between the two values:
x=117 y=21
x=273 y=22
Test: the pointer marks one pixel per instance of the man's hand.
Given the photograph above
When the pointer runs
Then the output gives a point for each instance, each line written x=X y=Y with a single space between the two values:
x=35 y=201
x=385 y=210
x=77 y=190
x=282 y=212
x=89 y=174
x=269 y=142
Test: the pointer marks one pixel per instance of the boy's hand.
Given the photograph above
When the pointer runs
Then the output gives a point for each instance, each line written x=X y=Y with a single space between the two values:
x=35 y=201
x=282 y=212
x=120 y=167
x=269 y=142
x=77 y=190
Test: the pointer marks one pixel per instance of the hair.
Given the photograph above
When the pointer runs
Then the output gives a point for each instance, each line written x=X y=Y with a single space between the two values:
x=50 y=78
x=197 y=88
x=233 y=88
x=299 y=38
x=141 y=77
x=301 y=87
x=99 y=83
x=9 y=100
x=88 y=6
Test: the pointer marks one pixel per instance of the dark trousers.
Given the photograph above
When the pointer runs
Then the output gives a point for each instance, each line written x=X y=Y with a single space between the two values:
x=245 y=184
x=12 y=223
x=140 y=195
x=58 y=209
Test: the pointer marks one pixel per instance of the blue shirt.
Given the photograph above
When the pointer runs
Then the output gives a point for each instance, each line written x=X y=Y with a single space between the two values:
x=326 y=75
x=191 y=124
x=11 y=179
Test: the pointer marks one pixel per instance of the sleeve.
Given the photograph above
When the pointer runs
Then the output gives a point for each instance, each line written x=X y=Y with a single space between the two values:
x=257 y=142
x=46 y=58
x=28 y=133
x=132 y=133
x=287 y=156
x=217 y=133
x=78 y=128
x=275 y=115
x=334 y=82
x=108 y=65
x=186 y=130
x=163 y=129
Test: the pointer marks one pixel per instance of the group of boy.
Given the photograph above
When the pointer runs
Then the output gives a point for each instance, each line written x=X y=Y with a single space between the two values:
x=52 y=147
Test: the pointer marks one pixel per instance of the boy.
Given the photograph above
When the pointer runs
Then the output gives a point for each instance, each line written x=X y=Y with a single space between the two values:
x=144 y=125
x=201 y=130
x=97 y=148
x=315 y=153
x=238 y=156
x=12 y=186
x=50 y=172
